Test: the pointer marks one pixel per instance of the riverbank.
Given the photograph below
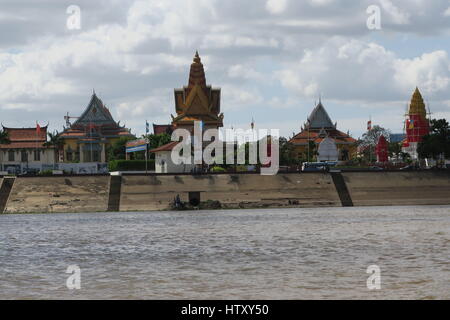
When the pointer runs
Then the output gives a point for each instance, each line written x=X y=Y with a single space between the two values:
x=156 y=192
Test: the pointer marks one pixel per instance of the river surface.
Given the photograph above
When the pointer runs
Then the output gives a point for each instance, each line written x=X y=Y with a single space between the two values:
x=320 y=253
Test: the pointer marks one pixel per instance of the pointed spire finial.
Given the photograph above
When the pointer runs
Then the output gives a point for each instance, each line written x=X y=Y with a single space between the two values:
x=197 y=57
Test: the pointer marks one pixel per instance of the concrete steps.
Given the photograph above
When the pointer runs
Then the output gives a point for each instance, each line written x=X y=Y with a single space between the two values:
x=5 y=190
x=342 y=189
x=115 y=186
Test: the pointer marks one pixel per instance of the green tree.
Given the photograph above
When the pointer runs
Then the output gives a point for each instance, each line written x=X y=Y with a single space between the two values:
x=4 y=138
x=369 y=140
x=54 y=141
x=157 y=140
x=286 y=152
x=116 y=151
x=437 y=142
x=311 y=152
x=395 y=149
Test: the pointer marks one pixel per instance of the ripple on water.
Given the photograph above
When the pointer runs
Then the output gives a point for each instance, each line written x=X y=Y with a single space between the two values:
x=318 y=253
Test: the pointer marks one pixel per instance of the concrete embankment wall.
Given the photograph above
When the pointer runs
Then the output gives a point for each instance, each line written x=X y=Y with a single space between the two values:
x=58 y=194
x=156 y=192
x=398 y=188
x=233 y=191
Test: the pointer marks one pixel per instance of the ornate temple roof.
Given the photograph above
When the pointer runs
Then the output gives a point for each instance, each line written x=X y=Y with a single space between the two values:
x=23 y=138
x=319 y=127
x=417 y=106
x=197 y=101
x=95 y=121
x=95 y=112
x=314 y=135
x=319 y=118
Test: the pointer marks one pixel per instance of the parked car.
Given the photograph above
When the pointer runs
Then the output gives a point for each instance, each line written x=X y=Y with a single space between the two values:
x=376 y=168
x=314 y=166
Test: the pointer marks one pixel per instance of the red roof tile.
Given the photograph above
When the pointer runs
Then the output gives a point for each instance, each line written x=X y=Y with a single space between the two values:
x=166 y=147
x=23 y=138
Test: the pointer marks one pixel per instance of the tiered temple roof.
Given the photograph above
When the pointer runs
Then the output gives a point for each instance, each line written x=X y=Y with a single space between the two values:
x=96 y=121
x=319 y=118
x=197 y=101
x=24 y=138
x=318 y=127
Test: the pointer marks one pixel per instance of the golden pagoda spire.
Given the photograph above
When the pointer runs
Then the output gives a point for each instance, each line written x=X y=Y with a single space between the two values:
x=197 y=73
x=417 y=106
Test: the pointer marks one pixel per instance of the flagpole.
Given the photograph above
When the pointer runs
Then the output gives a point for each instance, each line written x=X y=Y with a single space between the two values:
x=146 y=147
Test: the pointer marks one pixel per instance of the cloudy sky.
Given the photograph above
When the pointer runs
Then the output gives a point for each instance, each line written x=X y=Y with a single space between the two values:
x=272 y=59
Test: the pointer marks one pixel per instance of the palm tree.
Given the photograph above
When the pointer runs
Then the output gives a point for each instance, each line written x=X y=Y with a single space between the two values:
x=4 y=138
x=55 y=141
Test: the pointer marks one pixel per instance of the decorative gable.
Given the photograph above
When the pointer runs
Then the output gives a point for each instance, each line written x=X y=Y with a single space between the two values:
x=319 y=118
x=95 y=113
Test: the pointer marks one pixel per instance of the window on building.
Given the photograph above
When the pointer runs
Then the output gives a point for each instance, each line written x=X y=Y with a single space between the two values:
x=11 y=155
x=92 y=152
x=24 y=156
x=69 y=156
x=77 y=154
x=37 y=155
x=96 y=156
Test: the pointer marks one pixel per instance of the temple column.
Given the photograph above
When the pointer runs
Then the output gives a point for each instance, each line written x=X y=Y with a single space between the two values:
x=103 y=154
x=81 y=153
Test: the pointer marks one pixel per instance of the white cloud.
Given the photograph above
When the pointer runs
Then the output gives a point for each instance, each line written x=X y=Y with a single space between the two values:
x=357 y=70
x=398 y=16
x=447 y=12
x=264 y=55
x=276 y=6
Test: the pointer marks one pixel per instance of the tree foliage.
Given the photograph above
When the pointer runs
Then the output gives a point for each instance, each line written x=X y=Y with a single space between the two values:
x=116 y=151
x=370 y=138
x=437 y=142
x=4 y=139
x=287 y=153
x=54 y=141
x=157 y=140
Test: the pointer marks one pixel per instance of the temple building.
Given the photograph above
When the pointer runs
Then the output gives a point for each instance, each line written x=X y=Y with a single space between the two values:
x=317 y=128
x=27 y=151
x=416 y=124
x=87 y=139
x=195 y=102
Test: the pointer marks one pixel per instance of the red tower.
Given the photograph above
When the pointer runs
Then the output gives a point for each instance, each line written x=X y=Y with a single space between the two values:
x=382 y=149
x=416 y=125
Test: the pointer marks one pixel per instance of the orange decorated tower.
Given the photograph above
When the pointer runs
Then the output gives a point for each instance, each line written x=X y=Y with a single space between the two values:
x=416 y=125
x=197 y=101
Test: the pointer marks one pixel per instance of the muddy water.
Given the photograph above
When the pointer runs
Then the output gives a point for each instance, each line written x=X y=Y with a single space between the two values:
x=232 y=254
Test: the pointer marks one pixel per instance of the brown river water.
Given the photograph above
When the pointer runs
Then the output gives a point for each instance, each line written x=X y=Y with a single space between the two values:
x=320 y=253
